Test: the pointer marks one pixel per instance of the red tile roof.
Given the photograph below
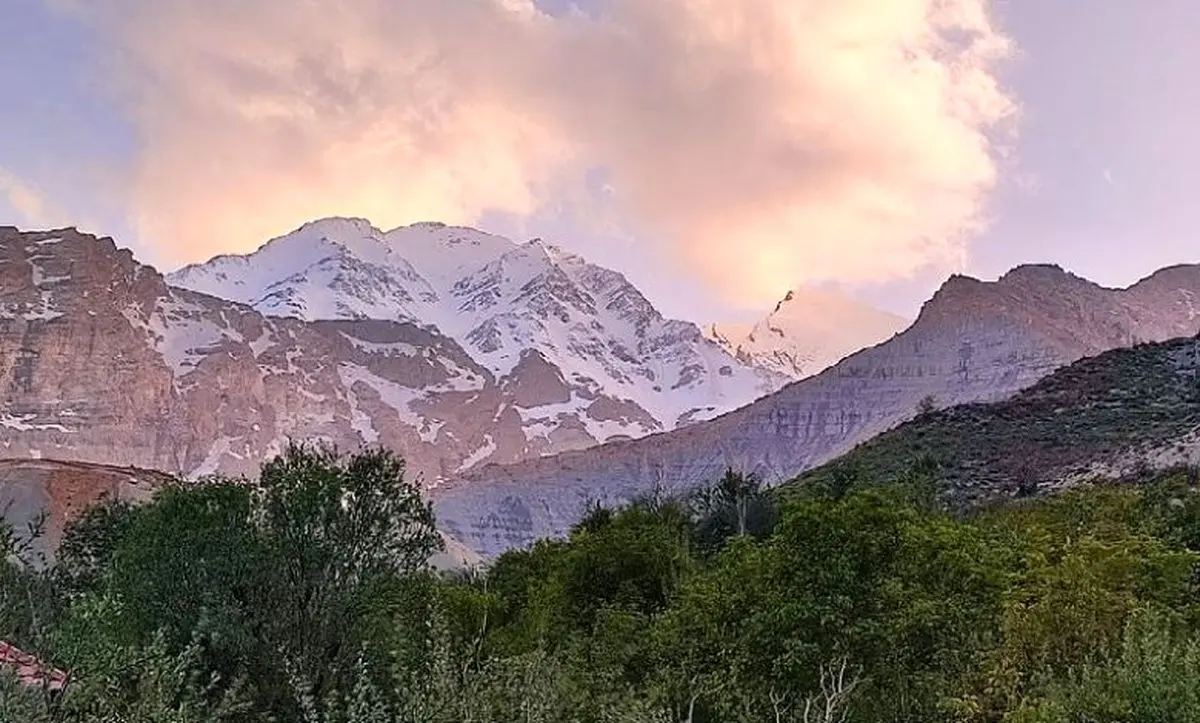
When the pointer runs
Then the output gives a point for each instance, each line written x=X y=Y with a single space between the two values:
x=30 y=671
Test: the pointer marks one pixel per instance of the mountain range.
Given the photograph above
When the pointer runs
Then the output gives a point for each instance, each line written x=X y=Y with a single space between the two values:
x=581 y=348
x=520 y=382
x=450 y=345
x=973 y=341
x=1116 y=415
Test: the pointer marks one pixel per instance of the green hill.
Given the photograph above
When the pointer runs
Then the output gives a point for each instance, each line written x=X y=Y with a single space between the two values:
x=1111 y=415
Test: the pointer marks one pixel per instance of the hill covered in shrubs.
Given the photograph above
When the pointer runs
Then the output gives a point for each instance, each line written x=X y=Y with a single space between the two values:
x=1116 y=415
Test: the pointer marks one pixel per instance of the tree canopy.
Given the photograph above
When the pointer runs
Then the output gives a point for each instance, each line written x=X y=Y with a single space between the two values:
x=305 y=595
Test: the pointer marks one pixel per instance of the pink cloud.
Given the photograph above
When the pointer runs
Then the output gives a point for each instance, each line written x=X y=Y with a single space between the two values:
x=770 y=142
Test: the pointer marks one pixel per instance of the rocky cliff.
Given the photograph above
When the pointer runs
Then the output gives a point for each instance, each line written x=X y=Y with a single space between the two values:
x=104 y=362
x=49 y=495
x=973 y=341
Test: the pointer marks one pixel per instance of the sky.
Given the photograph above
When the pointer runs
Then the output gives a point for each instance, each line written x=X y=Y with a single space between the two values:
x=717 y=152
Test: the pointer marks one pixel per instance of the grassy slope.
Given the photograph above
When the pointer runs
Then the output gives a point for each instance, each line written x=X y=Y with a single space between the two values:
x=1120 y=404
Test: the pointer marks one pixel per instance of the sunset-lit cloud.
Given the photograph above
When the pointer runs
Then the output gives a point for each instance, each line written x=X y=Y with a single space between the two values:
x=27 y=201
x=770 y=142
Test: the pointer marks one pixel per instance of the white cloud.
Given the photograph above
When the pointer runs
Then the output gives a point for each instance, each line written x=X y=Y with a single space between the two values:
x=770 y=141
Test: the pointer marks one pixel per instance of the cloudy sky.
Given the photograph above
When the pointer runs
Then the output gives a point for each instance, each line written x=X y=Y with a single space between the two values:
x=716 y=151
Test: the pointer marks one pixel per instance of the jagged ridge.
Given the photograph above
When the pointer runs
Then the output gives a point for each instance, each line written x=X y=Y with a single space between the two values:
x=973 y=341
x=609 y=347
x=808 y=331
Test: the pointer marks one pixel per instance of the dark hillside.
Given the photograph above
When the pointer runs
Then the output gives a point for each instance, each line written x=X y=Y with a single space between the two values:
x=1111 y=414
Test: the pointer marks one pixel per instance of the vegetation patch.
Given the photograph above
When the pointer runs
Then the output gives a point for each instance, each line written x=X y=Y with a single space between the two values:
x=305 y=596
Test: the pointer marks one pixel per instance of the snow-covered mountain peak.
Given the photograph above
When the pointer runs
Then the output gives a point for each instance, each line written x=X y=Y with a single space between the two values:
x=338 y=226
x=810 y=308
x=444 y=254
x=809 y=330
x=553 y=251
x=333 y=268
x=613 y=365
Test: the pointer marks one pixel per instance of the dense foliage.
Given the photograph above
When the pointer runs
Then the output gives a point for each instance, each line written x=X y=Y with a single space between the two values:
x=304 y=596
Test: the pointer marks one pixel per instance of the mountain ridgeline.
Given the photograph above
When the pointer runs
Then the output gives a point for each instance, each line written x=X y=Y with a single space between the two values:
x=493 y=352
x=582 y=348
x=974 y=341
x=522 y=384
x=1116 y=415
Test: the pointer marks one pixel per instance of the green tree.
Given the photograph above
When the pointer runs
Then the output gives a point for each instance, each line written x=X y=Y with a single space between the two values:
x=1154 y=676
x=332 y=526
x=275 y=581
x=735 y=506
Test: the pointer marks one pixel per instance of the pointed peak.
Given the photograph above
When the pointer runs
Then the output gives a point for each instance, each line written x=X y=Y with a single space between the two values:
x=789 y=296
x=818 y=300
x=956 y=292
x=552 y=251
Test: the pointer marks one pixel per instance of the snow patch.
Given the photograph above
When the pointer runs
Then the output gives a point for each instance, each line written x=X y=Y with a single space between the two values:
x=212 y=462
x=361 y=422
x=264 y=342
x=398 y=348
x=46 y=310
x=23 y=423
x=180 y=333
x=485 y=450
x=394 y=395
x=40 y=277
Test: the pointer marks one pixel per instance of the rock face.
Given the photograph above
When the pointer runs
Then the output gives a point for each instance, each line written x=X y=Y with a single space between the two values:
x=61 y=491
x=809 y=331
x=102 y=361
x=973 y=341
x=570 y=340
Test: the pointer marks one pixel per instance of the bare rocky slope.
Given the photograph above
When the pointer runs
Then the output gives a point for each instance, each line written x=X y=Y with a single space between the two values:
x=974 y=341
x=104 y=362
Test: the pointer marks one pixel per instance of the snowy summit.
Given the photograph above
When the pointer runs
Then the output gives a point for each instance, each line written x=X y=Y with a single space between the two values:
x=576 y=341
